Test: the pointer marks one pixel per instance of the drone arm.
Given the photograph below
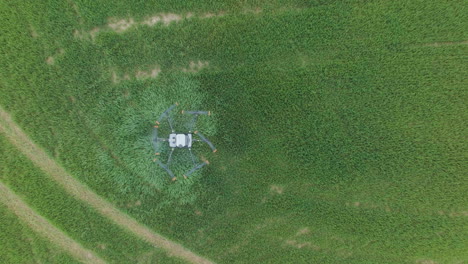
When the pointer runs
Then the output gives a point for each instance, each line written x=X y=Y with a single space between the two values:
x=166 y=114
x=166 y=168
x=204 y=139
x=192 y=123
x=199 y=166
x=170 y=157
x=196 y=112
x=191 y=155
x=195 y=117
x=156 y=140
x=169 y=120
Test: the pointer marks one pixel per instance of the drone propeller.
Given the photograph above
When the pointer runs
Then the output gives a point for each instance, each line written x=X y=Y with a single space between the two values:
x=199 y=166
x=196 y=112
x=170 y=157
x=155 y=140
x=195 y=117
x=167 y=114
x=204 y=139
x=191 y=155
x=166 y=168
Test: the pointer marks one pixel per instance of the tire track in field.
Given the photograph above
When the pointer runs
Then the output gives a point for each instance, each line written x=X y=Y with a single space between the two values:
x=80 y=191
x=40 y=225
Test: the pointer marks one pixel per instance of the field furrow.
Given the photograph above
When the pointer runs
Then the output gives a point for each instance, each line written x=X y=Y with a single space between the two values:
x=44 y=228
x=83 y=193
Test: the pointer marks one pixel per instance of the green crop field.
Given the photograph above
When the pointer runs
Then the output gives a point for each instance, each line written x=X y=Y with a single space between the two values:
x=21 y=245
x=340 y=128
x=78 y=221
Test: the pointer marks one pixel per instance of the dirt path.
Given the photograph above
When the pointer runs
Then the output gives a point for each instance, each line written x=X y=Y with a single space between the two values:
x=80 y=191
x=40 y=225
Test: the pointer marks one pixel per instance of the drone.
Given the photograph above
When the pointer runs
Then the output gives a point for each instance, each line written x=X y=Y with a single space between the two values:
x=180 y=140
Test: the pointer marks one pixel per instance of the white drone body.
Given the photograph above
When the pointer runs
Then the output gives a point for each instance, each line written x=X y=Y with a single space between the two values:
x=180 y=140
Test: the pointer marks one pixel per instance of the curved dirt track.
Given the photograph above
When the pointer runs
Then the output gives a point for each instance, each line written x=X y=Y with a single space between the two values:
x=80 y=191
x=40 y=225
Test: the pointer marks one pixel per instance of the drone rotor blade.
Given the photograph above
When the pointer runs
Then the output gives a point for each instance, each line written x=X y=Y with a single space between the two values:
x=155 y=140
x=169 y=120
x=204 y=139
x=166 y=113
x=194 y=169
x=166 y=169
x=192 y=156
x=170 y=157
x=191 y=125
x=195 y=117
x=197 y=112
x=155 y=132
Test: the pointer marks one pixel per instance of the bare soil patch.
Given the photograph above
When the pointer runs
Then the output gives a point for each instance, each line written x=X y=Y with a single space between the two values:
x=153 y=73
x=76 y=10
x=210 y=15
x=152 y=21
x=166 y=19
x=121 y=25
x=256 y=10
x=34 y=32
x=81 y=192
x=102 y=246
x=195 y=67
x=298 y=244
x=305 y=239
x=426 y=261
x=77 y=34
x=86 y=35
x=93 y=33
x=368 y=205
x=45 y=229
x=453 y=213
x=133 y=204
x=276 y=189
x=117 y=79
x=139 y=75
x=303 y=231
x=50 y=60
